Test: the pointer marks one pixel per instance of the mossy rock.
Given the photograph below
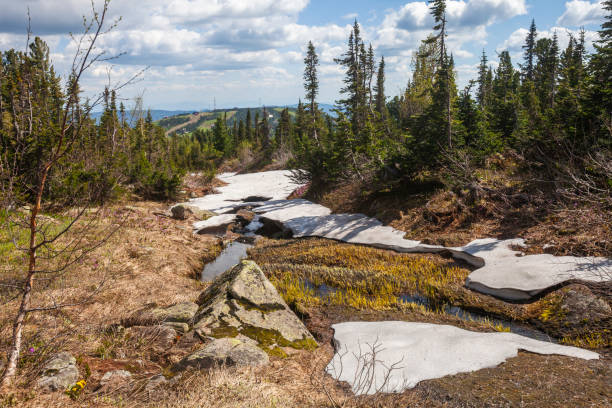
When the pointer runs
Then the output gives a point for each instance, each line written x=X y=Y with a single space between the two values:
x=242 y=301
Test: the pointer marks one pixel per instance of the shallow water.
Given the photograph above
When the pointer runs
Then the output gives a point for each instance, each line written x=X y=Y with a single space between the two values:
x=229 y=257
x=523 y=330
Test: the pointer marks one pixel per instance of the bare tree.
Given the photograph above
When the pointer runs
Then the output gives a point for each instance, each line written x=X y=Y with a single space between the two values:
x=50 y=250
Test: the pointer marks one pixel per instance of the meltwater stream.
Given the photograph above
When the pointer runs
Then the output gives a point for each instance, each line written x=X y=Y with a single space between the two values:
x=229 y=257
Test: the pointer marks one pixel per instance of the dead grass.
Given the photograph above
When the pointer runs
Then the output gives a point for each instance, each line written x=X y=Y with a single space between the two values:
x=150 y=259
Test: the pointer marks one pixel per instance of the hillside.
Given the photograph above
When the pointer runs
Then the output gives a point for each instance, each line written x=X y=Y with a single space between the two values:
x=188 y=122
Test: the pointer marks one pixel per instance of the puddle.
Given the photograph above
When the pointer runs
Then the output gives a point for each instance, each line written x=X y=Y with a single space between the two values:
x=229 y=257
x=323 y=291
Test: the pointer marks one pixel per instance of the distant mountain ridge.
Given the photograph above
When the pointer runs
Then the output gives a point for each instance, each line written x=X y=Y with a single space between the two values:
x=188 y=121
x=157 y=114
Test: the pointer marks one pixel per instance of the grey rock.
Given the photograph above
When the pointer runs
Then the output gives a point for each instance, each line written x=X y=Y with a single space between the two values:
x=178 y=212
x=113 y=380
x=178 y=326
x=225 y=352
x=155 y=381
x=243 y=301
x=152 y=314
x=580 y=305
x=184 y=211
x=59 y=373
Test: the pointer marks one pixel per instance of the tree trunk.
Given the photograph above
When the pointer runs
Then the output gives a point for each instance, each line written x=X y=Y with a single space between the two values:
x=13 y=357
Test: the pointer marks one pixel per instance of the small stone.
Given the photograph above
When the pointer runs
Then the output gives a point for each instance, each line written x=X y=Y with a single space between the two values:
x=59 y=373
x=178 y=326
x=178 y=212
x=155 y=381
x=158 y=336
x=113 y=380
x=244 y=217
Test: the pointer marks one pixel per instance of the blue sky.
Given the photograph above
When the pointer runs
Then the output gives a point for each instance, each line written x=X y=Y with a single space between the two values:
x=241 y=52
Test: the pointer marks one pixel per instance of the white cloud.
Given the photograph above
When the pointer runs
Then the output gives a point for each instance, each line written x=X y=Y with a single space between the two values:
x=350 y=16
x=467 y=23
x=515 y=42
x=582 y=12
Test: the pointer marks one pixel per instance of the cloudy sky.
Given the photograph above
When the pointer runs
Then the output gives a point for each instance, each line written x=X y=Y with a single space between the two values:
x=247 y=52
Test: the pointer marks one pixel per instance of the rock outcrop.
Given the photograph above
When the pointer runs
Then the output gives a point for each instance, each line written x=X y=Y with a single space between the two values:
x=225 y=351
x=242 y=301
x=59 y=373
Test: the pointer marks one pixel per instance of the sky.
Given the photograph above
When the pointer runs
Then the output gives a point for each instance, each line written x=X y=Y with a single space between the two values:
x=246 y=53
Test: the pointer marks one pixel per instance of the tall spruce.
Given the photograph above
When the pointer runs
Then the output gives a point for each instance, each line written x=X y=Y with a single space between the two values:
x=311 y=85
x=438 y=11
x=529 y=52
x=482 y=80
x=379 y=89
x=311 y=80
x=600 y=67
x=248 y=126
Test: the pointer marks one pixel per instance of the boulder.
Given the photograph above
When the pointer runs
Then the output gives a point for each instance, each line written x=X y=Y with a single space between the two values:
x=225 y=351
x=242 y=301
x=59 y=373
x=184 y=211
x=152 y=314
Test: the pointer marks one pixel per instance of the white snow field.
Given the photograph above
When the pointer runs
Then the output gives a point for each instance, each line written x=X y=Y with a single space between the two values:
x=393 y=356
x=256 y=188
x=502 y=271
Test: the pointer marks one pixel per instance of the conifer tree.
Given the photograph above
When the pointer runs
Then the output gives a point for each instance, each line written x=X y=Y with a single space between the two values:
x=311 y=81
x=438 y=11
x=379 y=89
x=248 y=126
x=311 y=85
x=600 y=67
x=370 y=67
x=483 y=90
x=529 y=54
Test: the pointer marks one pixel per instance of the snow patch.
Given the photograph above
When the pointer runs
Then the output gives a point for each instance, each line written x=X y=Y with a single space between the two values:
x=398 y=355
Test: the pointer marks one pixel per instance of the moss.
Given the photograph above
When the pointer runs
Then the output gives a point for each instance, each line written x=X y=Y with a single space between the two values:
x=269 y=340
x=551 y=310
x=224 y=330
x=275 y=352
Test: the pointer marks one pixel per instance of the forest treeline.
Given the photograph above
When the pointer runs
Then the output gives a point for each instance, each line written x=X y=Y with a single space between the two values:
x=555 y=112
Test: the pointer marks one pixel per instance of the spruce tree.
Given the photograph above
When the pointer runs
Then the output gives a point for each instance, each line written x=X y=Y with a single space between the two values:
x=311 y=81
x=248 y=126
x=379 y=89
x=529 y=54
x=600 y=67
x=438 y=11
x=482 y=80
